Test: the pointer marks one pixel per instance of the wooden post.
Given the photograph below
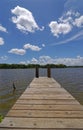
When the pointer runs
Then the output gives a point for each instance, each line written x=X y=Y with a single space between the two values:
x=48 y=72
x=37 y=72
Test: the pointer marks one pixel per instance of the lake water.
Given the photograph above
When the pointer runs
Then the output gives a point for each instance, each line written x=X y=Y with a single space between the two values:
x=70 y=78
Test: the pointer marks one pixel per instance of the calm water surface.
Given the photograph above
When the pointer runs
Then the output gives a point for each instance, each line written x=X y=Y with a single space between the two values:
x=70 y=78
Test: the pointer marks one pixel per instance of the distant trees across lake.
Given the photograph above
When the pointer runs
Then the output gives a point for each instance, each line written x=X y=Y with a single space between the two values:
x=23 y=66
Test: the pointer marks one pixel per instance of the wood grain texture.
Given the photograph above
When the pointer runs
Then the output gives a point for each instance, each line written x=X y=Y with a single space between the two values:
x=48 y=107
x=42 y=122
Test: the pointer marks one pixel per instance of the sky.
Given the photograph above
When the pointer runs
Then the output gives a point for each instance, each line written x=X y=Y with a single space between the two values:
x=41 y=32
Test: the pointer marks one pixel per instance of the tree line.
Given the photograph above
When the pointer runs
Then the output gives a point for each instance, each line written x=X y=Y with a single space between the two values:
x=23 y=66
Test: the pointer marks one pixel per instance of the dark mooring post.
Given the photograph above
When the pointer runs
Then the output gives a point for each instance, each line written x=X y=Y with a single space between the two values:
x=48 y=72
x=37 y=72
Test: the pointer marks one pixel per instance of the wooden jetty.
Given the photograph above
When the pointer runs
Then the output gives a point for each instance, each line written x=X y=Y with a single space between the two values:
x=44 y=105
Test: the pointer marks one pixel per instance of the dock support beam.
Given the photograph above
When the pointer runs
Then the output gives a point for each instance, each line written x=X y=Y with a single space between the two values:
x=37 y=72
x=48 y=72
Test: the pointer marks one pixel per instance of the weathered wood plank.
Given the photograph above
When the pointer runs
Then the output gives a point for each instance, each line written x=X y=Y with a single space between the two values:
x=40 y=128
x=66 y=107
x=45 y=92
x=46 y=89
x=46 y=85
x=42 y=123
x=45 y=114
x=19 y=128
x=45 y=101
x=46 y=96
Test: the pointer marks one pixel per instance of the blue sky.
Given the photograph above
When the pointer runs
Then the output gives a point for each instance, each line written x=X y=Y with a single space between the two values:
x=41 y=31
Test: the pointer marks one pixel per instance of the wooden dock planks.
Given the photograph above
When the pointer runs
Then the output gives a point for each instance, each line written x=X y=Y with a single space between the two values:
x=44 y=105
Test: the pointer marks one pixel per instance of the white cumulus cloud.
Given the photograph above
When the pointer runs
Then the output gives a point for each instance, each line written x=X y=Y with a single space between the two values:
x=59 y=28
x=32 y=47
x=24 y=20
x=72 y=13
x=34 y=61
x=3 y=29
x=17 y=51
x=77 y=61
x=45 y=60
x=79 y=21
x=1 y=41
x=70 y=61
x=66 y=23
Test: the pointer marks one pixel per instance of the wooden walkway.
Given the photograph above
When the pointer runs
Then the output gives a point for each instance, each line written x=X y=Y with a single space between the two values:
x=44 y=105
